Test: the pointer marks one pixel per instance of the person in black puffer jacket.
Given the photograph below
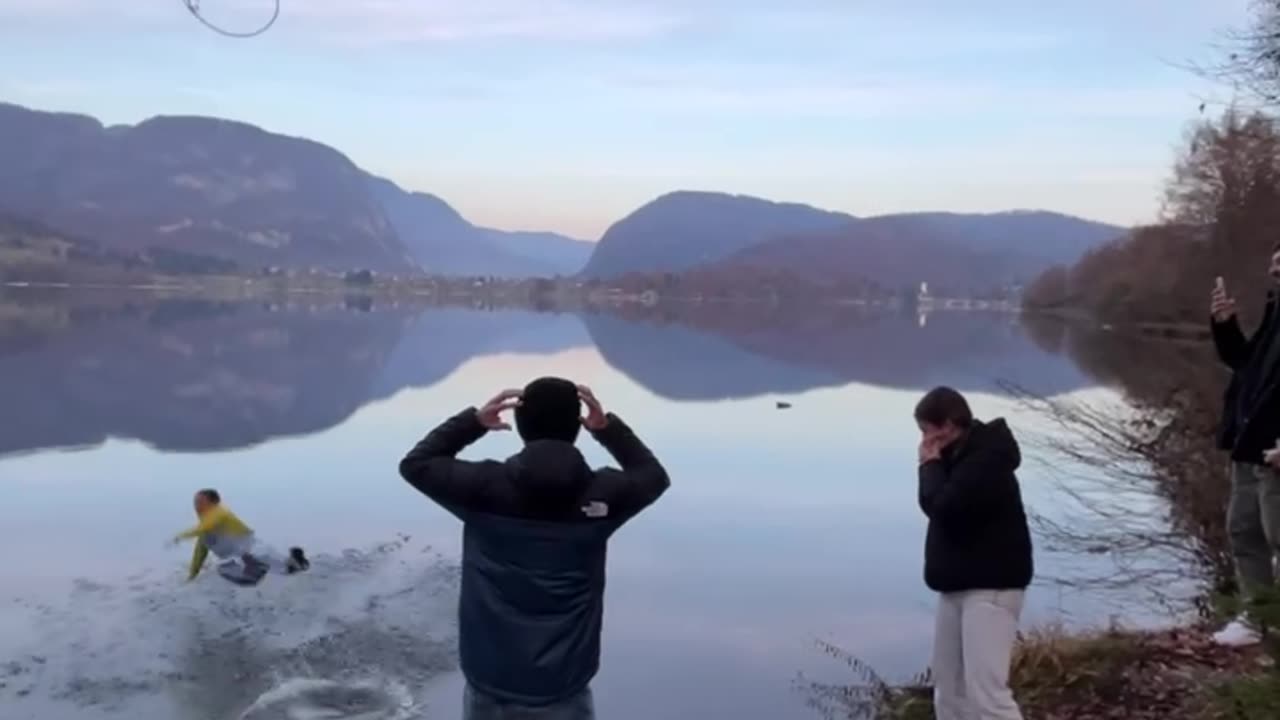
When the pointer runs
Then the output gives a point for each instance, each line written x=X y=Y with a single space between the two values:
x=1250 y=431
x=977 y=554
x=535 y=532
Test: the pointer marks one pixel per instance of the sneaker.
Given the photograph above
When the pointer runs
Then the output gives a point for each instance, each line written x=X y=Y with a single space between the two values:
x=298 y=561
x=1239 y=633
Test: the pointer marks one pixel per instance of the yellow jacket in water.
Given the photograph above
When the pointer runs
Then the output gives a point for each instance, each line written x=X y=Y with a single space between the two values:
x=219 y=531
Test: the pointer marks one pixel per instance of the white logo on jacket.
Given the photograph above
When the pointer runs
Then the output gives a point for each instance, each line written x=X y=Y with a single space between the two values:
x=596 y=509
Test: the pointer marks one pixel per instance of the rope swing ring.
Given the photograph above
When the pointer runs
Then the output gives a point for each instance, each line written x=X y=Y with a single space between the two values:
x=193 y=6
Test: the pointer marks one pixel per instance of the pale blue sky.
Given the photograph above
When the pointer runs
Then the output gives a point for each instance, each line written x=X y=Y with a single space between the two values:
x=567 y=114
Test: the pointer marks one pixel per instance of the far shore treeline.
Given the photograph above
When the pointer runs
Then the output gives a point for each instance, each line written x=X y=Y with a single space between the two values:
x=1221 y=217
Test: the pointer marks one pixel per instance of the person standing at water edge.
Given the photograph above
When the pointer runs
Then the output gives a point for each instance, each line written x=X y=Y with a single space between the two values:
x=245 y=560
x=1250 y=427
x=977 y=555
x=535 y=531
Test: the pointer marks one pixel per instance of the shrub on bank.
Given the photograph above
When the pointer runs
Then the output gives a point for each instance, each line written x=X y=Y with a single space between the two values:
x=1060 y=675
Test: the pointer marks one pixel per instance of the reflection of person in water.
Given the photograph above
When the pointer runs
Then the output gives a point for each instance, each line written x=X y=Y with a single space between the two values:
x=1250 y=427
x=535 y=533
x=245 y=561
x=977 y=554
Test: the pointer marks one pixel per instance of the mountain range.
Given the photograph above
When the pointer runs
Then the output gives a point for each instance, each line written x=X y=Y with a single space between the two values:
x=235 y=193
x=232 y=191
x=708 y=233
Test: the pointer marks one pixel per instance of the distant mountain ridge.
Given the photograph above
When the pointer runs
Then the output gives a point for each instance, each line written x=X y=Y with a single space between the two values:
x=727 y=234
x=443 y=242
x=226 y=189
x=684 y=229
x=232 y=191
x=1051 y=236
x=953 y=253
x=196 y=187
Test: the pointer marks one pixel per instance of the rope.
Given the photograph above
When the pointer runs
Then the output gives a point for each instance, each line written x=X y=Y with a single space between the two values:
x=193 y=6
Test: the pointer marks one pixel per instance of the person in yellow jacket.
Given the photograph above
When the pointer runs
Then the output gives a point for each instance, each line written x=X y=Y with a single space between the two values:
x=245 y=560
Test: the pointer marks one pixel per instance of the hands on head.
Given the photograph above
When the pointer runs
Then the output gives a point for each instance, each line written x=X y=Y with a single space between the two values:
x=490 y=414
x=1223 y=306
x=595 y=419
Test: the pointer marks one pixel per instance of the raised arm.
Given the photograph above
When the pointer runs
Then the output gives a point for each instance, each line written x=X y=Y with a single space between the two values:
x=432 y=466
x=642 y=479
x=1224 y=323
x=1230 y=343
x=968 y=492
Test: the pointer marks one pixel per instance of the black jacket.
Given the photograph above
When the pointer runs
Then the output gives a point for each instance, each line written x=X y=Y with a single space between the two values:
x=533 y=551
x=1250 y=425
x=978 y=537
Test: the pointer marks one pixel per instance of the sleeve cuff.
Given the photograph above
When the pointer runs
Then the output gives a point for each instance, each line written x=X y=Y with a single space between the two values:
x=613 y=424
x=471 y=416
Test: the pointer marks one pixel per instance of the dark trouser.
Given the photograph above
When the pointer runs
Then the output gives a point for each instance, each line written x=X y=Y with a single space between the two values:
x=478 y=706
x=1253 y=520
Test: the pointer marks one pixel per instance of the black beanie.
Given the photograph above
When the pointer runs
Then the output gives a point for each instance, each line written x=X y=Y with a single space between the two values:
x=549 y=410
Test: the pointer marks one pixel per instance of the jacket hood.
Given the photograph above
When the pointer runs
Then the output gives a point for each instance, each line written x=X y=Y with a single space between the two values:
x=995 y=439
x=551 y=473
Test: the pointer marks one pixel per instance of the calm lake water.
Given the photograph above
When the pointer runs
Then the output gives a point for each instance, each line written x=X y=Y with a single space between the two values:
x=782 y=526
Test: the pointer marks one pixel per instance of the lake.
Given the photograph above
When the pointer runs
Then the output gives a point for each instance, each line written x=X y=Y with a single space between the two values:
x=782 y=526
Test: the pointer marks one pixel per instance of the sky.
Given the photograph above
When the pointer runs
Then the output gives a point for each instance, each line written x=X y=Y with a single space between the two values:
x=566 y=115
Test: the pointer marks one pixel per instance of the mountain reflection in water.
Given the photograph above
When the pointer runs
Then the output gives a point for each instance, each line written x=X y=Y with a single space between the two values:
x=185 y=375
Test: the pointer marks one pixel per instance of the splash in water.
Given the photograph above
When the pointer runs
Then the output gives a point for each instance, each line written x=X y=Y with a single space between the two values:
x=312 y=699
x=358 y=638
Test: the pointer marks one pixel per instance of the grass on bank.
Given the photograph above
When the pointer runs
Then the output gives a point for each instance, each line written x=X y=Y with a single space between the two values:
x=1058 y=675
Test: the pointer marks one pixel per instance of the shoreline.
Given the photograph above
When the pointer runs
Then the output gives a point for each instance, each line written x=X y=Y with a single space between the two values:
x=1115 y=673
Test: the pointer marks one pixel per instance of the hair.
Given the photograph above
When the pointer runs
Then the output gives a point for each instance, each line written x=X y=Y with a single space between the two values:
x=211 y=495
x=942 y=405
x=549 y=409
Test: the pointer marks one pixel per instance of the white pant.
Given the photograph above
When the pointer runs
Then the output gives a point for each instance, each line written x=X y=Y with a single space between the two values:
x=233 y=548
x=972 y=648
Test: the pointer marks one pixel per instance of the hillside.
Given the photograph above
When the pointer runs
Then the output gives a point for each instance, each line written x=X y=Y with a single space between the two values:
x=31 y=251
x=684 y=229
x=26 y=242
x=443 y=242
x=1045 y=236
x=194 y=184
x=231 y=191
x=560 y=254
x=952 y=252
x=724 y=235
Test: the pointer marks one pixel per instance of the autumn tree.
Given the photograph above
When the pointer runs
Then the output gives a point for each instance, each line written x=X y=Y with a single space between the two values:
x=1252 y=64
x=1051 y=290
x=1221 y=216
